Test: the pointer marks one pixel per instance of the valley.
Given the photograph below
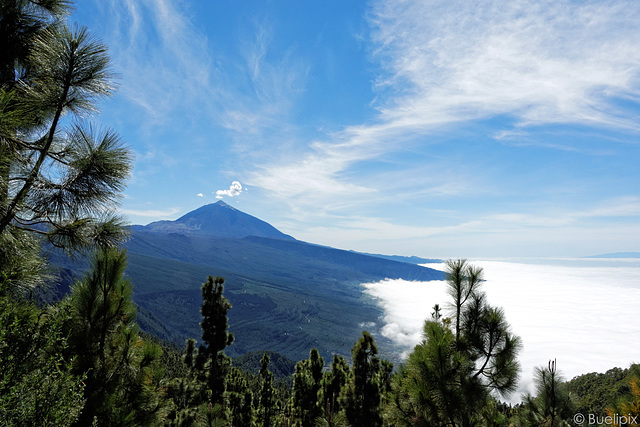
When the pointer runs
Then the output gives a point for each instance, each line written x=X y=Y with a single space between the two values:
x=287 y=295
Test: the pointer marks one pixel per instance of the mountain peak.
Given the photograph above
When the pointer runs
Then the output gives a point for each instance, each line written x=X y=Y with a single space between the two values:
x=208 y=208
x=218 y=219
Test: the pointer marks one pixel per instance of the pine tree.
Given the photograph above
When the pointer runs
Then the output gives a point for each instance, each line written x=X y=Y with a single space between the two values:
x=332 y=384
x=266 y=408
x=463 y=281
x=362 y=397
x=37 y=385
x=306 y=385
x=552 y=404
x=239 y=399
x=186 y=392
x=199 y=397
x=433 y=380
x=329 y=397
x=402 y=408
x=58 y=181
x=449 y=376
x=214 y=327
x=122 y=370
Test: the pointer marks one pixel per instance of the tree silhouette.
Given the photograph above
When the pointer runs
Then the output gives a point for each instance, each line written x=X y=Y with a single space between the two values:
x=122 y=372
x=216 y=338
x=449 y=376
x=57 y=181
x=306 y=385
x=463 y=280
x=362 y=397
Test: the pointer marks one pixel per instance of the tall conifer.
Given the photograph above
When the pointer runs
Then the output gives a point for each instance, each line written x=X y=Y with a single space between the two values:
x=239 y=399
x=122 y=370
x=216 y=338
x=266 y=408
x=449 y=376
x=306 y=385
x=362 y=396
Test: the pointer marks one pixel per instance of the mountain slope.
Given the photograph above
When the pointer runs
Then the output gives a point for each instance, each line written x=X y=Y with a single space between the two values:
x=216 y=219
x=274 y=258
x=287 y=295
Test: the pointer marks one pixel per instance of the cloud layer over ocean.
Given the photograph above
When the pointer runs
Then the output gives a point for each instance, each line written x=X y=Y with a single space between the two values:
x=581 y=312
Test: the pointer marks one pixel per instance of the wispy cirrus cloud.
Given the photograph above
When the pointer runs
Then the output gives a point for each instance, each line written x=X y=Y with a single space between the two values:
x=169 y=66
x=263 y=84
x=534 y=63
x=162 y=58
x=620 y=207
x=529 y=68
x=541 y=62
x=196 y=98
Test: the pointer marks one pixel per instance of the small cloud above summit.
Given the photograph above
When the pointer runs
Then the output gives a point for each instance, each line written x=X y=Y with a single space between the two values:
x=200 y=195
x=234 y=190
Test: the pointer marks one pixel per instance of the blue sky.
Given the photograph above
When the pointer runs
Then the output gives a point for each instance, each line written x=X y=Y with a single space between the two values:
x=430 y=128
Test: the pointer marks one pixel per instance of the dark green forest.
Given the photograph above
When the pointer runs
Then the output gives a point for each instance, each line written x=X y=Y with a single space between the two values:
x=82 y=359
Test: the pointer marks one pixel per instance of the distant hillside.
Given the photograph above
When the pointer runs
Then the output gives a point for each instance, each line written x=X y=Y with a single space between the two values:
x=617 y=255
x=216 y=219
x=409 y=259
x=279 y=365
x=288 y=296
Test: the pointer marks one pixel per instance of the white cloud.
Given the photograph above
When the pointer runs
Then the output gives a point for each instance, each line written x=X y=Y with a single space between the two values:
x=569 y=310
x=275 y=80
x=200 y=195
x=443 y=63
x=175 y=70
x=621 y=207
x=234 y=190
x=311 y=183
x=542 y=62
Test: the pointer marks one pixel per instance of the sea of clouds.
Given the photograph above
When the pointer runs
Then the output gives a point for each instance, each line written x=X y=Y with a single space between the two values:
x=582 y=312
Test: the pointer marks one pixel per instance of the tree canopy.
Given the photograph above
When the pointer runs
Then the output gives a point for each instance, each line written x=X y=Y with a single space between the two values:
x=60 y=178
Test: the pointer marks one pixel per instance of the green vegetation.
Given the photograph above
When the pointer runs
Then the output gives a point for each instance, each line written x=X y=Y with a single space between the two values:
x=552 y=406
x=83 y=361
x=37 y=384
x=59 y=178
x=594 y=391
x=627 y=404
x=122 y=370
x=452 y=374
x=287 y=296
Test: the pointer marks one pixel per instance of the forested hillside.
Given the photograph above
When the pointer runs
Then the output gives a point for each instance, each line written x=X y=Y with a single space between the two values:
x=288 y=295
x=83 y=360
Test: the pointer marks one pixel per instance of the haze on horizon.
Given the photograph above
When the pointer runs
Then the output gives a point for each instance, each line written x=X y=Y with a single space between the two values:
x=416 y=128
